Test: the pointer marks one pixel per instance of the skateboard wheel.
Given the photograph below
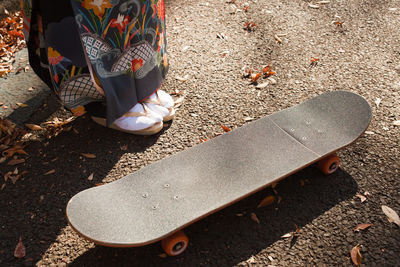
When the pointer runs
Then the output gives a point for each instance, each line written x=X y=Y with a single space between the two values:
x=329 y=164
x=175 y=244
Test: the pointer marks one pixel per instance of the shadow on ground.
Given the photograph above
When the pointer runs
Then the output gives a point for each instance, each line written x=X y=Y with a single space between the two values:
x=34 y=207
x=232 y=233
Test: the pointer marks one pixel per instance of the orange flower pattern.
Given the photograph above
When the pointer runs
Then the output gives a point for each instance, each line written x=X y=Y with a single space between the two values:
x=136 y=64
x=98 y=6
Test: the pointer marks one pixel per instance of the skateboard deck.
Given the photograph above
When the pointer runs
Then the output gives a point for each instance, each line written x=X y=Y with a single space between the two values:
x=160 y=199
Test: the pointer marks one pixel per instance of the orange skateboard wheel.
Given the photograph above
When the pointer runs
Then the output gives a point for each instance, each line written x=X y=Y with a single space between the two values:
x=175 y=244
x=329 y=164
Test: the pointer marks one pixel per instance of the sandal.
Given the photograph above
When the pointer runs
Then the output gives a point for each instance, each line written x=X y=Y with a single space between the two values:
x=161 y=103
x=135 y=121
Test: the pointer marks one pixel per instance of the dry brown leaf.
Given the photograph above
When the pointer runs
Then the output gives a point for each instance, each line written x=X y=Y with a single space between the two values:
x=297 y=229
x=88 y=155
x=262 y=85
x=266 y=201
x=17 y=149
x=288 y=235
x=15 y=162
x=356 y=255
x=254 y=217
x=33 y=127
x=392 y=216
x=179 y=101
x=362 y=226
x=21 y=105
x=182 y=79
x=50 y=172
x=255 y=76
x=226 y=129
x=2 y=159
x=313 y=6
x=278 y=40
x=20 y=250
x=3 y=186
x=361 y=197
x=90 y=178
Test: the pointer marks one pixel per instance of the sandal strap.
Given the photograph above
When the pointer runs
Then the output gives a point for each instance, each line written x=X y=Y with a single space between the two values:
x=154 y=101
x=134 y=114
x=138 y=114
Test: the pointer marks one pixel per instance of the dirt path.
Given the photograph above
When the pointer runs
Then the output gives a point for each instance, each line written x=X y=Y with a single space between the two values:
x=207 y=43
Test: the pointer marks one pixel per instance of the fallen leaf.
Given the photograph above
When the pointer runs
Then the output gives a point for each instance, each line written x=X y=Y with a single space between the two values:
x=362 y=226
x=3 y=186
x=313 y=6
x=277 y=39
x=297 y=229
x=17 y=149
x=21 y=105
x=356 y=255
x=226 y=129
x=323 y=2
x=2 y=159
x=50 y=172
x=393 y=217
x=89 y=155
x=182 y=79
x=15 y=162
x=90 y=178
x=262 y=85
x=255 y=77
x=163 y=255
x=179 y=101
x=362 y=198
x=378 y=102
x=124 y=147
x=396 y=123
x=254 y=217
x=20 y=250
x=288 y=235
x=248 y=119
x=266 y=201
x=33 y=127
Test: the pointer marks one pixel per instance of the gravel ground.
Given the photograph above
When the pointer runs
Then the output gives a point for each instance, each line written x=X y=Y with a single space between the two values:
x=207 y=42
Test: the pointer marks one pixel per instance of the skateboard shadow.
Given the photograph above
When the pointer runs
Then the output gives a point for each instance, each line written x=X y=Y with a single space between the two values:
x=231 y=236
x=34 y=207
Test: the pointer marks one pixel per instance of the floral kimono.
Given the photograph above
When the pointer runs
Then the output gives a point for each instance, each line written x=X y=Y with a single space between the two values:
x=100 y=56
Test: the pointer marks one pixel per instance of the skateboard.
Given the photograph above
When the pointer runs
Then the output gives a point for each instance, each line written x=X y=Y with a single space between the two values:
x=158 y=201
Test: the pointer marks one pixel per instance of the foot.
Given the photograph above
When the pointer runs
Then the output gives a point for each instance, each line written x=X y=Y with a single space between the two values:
x=138 y=120
x=161 y=103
